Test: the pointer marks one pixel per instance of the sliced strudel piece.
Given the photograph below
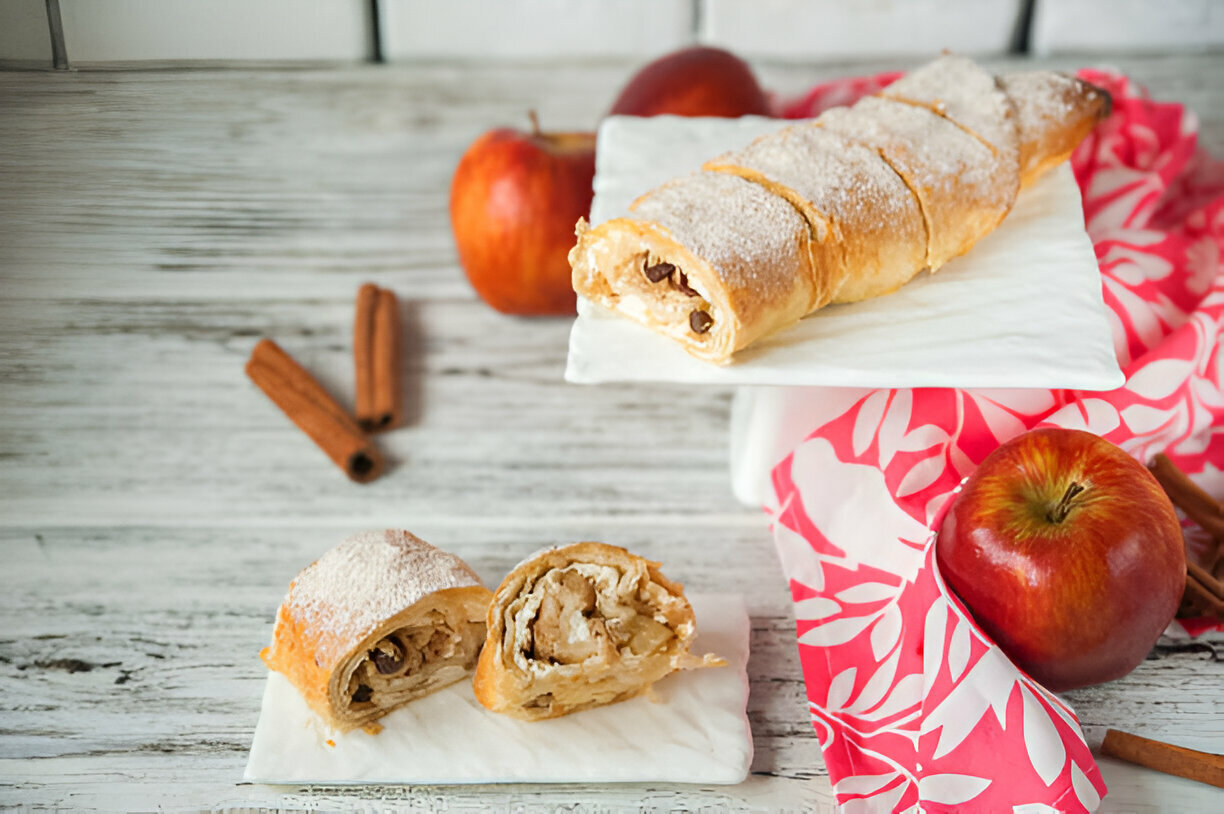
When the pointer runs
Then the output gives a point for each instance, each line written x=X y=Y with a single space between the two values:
x=582 y=626
x=380 y=620
x=1054 y=112
x=967 y=95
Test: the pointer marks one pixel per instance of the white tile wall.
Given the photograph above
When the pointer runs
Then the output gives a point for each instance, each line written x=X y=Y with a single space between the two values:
x=474 y=29
x=24 y=37
x=1062 y=26
x=99 y=31
x=109 y=30
x=829 y=30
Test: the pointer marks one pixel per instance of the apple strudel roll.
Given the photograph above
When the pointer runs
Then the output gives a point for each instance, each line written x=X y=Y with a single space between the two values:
x=582 y=626
x=380 y=620
x=900 y=182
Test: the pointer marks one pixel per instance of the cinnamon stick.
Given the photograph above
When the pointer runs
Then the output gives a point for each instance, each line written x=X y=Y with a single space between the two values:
x=1199 y=574
x=313 y=410
x=1201 y=597
x=1203 y=767
x=1188 y=496
x=1204 y=594
x=376 y=358
x=363 y=335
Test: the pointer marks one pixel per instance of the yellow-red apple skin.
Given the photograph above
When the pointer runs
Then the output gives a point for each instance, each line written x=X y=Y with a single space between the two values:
x=514 y=199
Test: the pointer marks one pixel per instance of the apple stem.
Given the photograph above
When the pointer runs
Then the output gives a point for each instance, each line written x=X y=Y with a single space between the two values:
x=535 y=122
x=1063 y=508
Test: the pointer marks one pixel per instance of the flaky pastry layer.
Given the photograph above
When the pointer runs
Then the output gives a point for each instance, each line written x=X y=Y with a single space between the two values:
x=582 y=626
x=380 y=620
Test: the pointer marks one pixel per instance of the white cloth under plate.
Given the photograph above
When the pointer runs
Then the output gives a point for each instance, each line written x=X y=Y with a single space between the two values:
x=1022 y=309
x=695 y=730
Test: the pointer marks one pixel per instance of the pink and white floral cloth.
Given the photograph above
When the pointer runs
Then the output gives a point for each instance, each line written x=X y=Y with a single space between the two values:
x=915 y=706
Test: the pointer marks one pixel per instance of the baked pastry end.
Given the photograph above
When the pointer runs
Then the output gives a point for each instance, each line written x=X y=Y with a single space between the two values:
x=582 y=626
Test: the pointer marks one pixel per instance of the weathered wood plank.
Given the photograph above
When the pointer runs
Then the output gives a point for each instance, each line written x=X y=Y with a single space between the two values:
x=154 y=505
x=166 y=392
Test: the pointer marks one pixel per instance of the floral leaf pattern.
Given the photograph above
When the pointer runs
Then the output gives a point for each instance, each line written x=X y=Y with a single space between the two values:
x=915 y=707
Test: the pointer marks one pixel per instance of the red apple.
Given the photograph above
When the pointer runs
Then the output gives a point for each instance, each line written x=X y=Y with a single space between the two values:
x=515 y=198
x=1068 y=553
x=696 y=81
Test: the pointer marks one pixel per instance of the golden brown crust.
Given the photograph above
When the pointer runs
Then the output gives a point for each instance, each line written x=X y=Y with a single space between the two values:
x=964 y=93
x=1054 y=113
x=580 y=626
x=378 y=601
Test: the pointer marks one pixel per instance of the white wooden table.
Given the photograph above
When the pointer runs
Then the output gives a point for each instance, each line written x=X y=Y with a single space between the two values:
x=154 y=505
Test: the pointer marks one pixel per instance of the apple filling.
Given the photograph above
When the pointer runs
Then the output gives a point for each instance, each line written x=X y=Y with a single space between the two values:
x=570 y=627
x=648 y=288
x=655 y=273
x=672 y=299
x=642 y=273
x=414 y=660
x=587 y=622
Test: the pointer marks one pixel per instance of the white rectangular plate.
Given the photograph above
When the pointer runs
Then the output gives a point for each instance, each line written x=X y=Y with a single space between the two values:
x=1023 y=308
x=694 y=730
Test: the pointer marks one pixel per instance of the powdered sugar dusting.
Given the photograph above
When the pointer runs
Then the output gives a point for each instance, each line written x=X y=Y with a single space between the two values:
x=962 y=91
x=1043 y=98
x=1053 y=112
x=930 y=152
x=752 y=238
x=843 y=180
x=345 y=594
x=951 y=171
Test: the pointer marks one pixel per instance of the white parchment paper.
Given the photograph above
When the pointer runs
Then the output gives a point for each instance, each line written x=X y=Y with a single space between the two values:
x=1023 y=308
x=695 y=730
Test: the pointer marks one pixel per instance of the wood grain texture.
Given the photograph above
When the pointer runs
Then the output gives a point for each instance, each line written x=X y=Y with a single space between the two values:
x=154 y=505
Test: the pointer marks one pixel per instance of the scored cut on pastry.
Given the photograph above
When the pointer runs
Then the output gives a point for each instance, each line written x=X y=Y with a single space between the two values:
x=378 y=621
x=870 y=213
x=965 y=94
x=955 y=145
x=963 y=188
x=581 y=626
x=1040 y=116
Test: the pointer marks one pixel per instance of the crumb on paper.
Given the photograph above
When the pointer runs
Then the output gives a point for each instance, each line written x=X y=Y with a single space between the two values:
x=331 y=743
x=372 y=729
